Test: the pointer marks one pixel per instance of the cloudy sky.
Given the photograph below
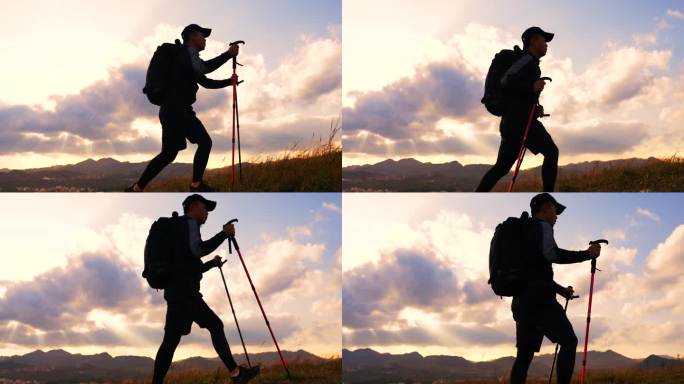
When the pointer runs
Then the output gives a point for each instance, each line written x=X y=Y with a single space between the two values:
x=72 y=76
x=413 y=79
x=415 y=273
x=75 y=284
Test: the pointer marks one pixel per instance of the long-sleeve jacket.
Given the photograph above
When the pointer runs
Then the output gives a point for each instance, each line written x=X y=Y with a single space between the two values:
x=188 y=265
x=189 y=71
x=542 y=251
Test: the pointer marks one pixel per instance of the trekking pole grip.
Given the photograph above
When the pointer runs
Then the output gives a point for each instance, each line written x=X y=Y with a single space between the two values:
x=593 y=260
x=235 y=63
x=231 y=238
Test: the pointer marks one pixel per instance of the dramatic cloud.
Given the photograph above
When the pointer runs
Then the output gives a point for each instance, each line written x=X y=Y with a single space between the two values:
x=454 y=311
x=290 y=105
x=597 y=110
x=98 y=300
x=406 y=278
x=58 y=299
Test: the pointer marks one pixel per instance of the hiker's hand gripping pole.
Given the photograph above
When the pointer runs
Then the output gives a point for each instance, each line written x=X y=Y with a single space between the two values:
x=593 y=259
x=545 y=78
x=230 y=247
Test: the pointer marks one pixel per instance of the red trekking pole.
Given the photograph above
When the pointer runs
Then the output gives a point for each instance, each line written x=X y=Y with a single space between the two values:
x=231 y=240
x=236 y=120
x=523 y=148
x=249 y=363
x=591 y=294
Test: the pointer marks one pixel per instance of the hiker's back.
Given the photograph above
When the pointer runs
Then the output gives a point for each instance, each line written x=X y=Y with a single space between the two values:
x=169 y=263
x=522 y=69
x=170 y=79
x=507 y=256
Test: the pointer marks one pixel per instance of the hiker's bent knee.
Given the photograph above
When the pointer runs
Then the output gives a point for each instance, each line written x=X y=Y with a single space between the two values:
x=171 y=338
x=215 y=325
x=552 y=151
x=169 y=156
x=204 y=142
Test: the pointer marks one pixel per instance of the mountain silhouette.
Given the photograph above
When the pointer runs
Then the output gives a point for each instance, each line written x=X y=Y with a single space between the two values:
x=369 y=366
x=409 y=175
x=59 y=366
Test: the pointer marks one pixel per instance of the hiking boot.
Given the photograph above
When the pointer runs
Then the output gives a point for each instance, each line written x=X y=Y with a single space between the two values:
x=202 y=187
x=246 y=374
x=131 y=188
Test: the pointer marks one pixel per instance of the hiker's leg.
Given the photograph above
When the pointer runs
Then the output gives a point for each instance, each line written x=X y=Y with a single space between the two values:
x=206 y=318
x=162 y=361
x=197 y=134
x=558 y=329
x=505 y=159
x=523 y=359
x=528 y=340
x=164 y=158
x=539 y=141
x=218 y=339
x=199 y=164
x=566 y=360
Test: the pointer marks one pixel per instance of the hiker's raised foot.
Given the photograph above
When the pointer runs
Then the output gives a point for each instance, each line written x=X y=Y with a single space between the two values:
x=246 y=374
x=133 y=188
x=201 y=186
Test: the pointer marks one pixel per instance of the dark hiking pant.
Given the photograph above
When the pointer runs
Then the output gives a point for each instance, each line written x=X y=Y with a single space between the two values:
x=531 y=325
x=180 y=314
x=538 y=141
x=178 y=124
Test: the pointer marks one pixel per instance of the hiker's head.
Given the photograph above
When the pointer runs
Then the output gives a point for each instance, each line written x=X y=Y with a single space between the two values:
x=535 y=40
x=195 y=36
x=197 y=207
x=545 y=207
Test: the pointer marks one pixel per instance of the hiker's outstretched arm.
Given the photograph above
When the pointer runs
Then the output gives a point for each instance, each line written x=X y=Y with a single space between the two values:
x=201 y=248
x=202 y=67
x=213 y=84
x=558 y=255
x=210 y=245
x=208 y=265
x=559 y=289
x=216 y=62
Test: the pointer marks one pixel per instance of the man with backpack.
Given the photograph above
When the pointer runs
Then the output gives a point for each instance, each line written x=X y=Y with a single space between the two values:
x=512 y=89
x=172 y=78
x=528 y=275
x=182 y=284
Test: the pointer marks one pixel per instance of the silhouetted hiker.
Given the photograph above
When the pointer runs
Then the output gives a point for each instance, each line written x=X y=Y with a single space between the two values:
x=182 y=293
x=176 y=115
x=522 y=85
x=535 y=310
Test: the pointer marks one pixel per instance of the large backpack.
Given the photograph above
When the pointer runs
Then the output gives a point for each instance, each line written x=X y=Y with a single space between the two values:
x=494 y=98
x=507 y=267
x=159 y=252
x=160 y=70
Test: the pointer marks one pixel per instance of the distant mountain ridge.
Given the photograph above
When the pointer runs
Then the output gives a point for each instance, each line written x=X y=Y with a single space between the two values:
x=412 y=175
x=61 y=366
x=370 y=366
x=104 y=174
